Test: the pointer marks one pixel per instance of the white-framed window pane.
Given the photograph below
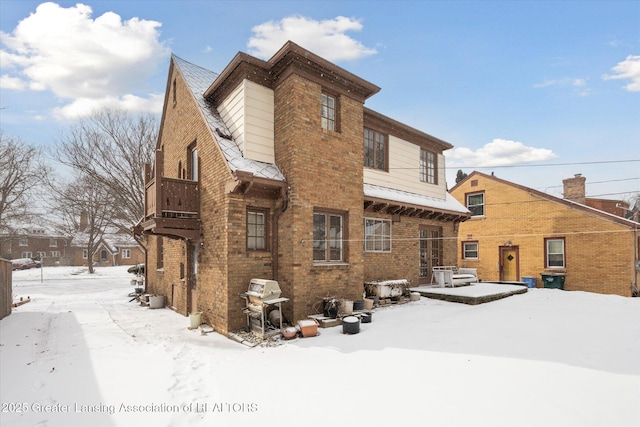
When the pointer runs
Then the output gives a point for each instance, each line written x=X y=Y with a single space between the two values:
x=470 y=250
x=377 y=235
x=475 y=203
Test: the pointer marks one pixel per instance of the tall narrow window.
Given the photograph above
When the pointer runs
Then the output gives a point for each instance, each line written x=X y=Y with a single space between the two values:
x=193 y=162
x=375 y=149
x=256 y=229
x=328 y=112
x=554 y=253
x=159 y=253
x=428 y=167
x=328 y=237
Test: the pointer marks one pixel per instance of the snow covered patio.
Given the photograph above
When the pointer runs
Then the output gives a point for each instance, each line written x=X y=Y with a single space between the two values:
x=79 y=354
x=475 y=293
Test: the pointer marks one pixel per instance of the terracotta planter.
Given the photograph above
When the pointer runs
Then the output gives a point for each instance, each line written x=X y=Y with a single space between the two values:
x=308 y=327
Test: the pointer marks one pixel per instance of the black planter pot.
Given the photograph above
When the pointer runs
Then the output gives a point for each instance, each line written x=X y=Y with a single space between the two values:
x=350 y=325
x=330 y=308
x=366 y=317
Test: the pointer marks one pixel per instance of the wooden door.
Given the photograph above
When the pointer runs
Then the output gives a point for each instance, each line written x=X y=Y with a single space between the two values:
x=509 y=264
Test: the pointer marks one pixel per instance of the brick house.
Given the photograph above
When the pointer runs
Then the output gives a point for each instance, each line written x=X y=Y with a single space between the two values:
x=275 y=169
x=114 y=248
x=516 y=232
x=37 y=242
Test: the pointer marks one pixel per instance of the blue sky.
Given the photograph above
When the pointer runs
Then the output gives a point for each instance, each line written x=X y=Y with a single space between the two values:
x=511 y=84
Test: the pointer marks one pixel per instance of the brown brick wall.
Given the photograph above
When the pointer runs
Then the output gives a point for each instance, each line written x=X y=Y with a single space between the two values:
x=599 y=253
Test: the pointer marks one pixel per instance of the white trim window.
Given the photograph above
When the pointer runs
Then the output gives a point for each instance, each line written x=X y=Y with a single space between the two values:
x=554 y=253
x=469 y=250
x=85 y=254
x=126 y=253
x=475 y=203
x=377 y=235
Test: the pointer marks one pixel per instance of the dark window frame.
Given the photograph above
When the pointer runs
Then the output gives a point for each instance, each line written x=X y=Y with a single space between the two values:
x=266 y=214
x=329 y=249
x=373 y=152
x=330 y=114
x=428 y=166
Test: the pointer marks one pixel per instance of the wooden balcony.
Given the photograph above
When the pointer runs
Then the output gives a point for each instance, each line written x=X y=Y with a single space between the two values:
x=172 y=208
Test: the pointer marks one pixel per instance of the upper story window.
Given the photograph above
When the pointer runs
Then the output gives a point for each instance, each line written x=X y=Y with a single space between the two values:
x=554 y=253
x=475 y=203
x=53 y=243
x=428 y=167
x=375 y=149
x=329 y=118
x=23 y=242
x=377 y=235
x=192 y=162
x=328 y=244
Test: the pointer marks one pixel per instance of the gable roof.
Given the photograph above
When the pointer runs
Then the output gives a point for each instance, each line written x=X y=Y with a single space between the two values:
x=198 y=80
x=569 y=203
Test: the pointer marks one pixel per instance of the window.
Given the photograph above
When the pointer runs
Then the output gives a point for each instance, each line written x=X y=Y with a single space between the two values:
x=159 y=253
x=54 y=254
x=554 y=253
x=41 y=255
x=126 y=253
x=377 y=235
x=257 y=229
x=103 y=255
x=23 y=241
x=427 y=167
x=328 y=112
x=475 y=203
x=53 y=243
x=328 y=237
x=469 y=250
x=85 y=254
x=26 y=254
x=375 y=149
x=192 y=163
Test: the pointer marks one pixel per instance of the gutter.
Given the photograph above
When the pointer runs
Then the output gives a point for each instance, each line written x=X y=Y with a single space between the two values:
x=284 y=194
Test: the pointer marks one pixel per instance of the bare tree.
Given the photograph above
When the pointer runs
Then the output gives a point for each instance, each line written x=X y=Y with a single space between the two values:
x=86 y=208
x=111 y=147
x=21 y=170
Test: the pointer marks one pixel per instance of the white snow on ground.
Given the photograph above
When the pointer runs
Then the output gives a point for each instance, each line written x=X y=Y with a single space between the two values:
x=544 y=358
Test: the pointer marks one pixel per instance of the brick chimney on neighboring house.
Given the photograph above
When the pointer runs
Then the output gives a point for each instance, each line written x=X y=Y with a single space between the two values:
x=84 y=221
x=574 y=188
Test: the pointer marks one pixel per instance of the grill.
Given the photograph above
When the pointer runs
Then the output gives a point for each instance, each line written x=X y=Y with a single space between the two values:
x=263 y=307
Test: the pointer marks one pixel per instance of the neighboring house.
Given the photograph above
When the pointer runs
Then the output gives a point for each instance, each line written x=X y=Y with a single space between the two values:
x=37 y=242
x=516 y=232
x=276 y=170
x=114 y=248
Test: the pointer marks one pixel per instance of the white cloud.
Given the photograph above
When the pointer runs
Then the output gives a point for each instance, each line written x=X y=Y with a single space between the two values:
x=627 y=69
x=15 y=83
x=84 y=106
x=81 y=59
x=327 y=38
x=499 y=152
x=578 y=85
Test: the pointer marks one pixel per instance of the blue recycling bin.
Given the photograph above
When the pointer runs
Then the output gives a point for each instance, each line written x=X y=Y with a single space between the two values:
x=530 y=281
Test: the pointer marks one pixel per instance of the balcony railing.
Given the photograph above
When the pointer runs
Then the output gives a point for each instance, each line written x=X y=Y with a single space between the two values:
x=173 y=198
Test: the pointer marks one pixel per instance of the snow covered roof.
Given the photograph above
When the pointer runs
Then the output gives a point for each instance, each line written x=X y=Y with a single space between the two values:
x=449 y=203
x=199 y=79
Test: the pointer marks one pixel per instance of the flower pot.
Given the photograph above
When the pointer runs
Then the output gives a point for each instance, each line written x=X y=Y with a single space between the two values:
x=156 y=301
x=308 y=327
x=350 y=325
x=358 y=305
x=330 y=307
x=195 y=320
x=289 y=332
x=368 y=303
x=346 y=307
x=366 y=317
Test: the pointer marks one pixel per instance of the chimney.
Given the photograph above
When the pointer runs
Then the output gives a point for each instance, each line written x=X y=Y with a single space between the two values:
x=84 y=222
x=574 y=188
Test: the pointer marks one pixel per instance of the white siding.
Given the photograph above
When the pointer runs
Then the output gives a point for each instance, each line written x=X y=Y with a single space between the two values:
x=248 y=113
x=404 y=171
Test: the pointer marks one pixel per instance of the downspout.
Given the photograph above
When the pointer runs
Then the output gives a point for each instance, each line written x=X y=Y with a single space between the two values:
x=274 y=235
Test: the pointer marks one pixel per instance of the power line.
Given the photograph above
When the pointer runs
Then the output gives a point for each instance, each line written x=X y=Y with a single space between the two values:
x=537 y=165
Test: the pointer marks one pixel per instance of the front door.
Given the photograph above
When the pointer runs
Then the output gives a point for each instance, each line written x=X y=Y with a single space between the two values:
x=509 y=264
x=430 y=251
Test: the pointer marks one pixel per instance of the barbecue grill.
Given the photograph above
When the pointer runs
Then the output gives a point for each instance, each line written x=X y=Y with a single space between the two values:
x=262 y=297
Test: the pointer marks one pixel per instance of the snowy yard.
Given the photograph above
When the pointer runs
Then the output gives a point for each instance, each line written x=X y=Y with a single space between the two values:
x=81 y=354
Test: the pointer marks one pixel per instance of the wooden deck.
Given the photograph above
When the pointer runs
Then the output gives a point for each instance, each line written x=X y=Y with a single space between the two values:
x=473 y=294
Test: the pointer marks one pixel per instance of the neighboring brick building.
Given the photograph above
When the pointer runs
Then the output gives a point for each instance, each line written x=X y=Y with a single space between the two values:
x=37 y=242
x=516 y=232
x=275 y=169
